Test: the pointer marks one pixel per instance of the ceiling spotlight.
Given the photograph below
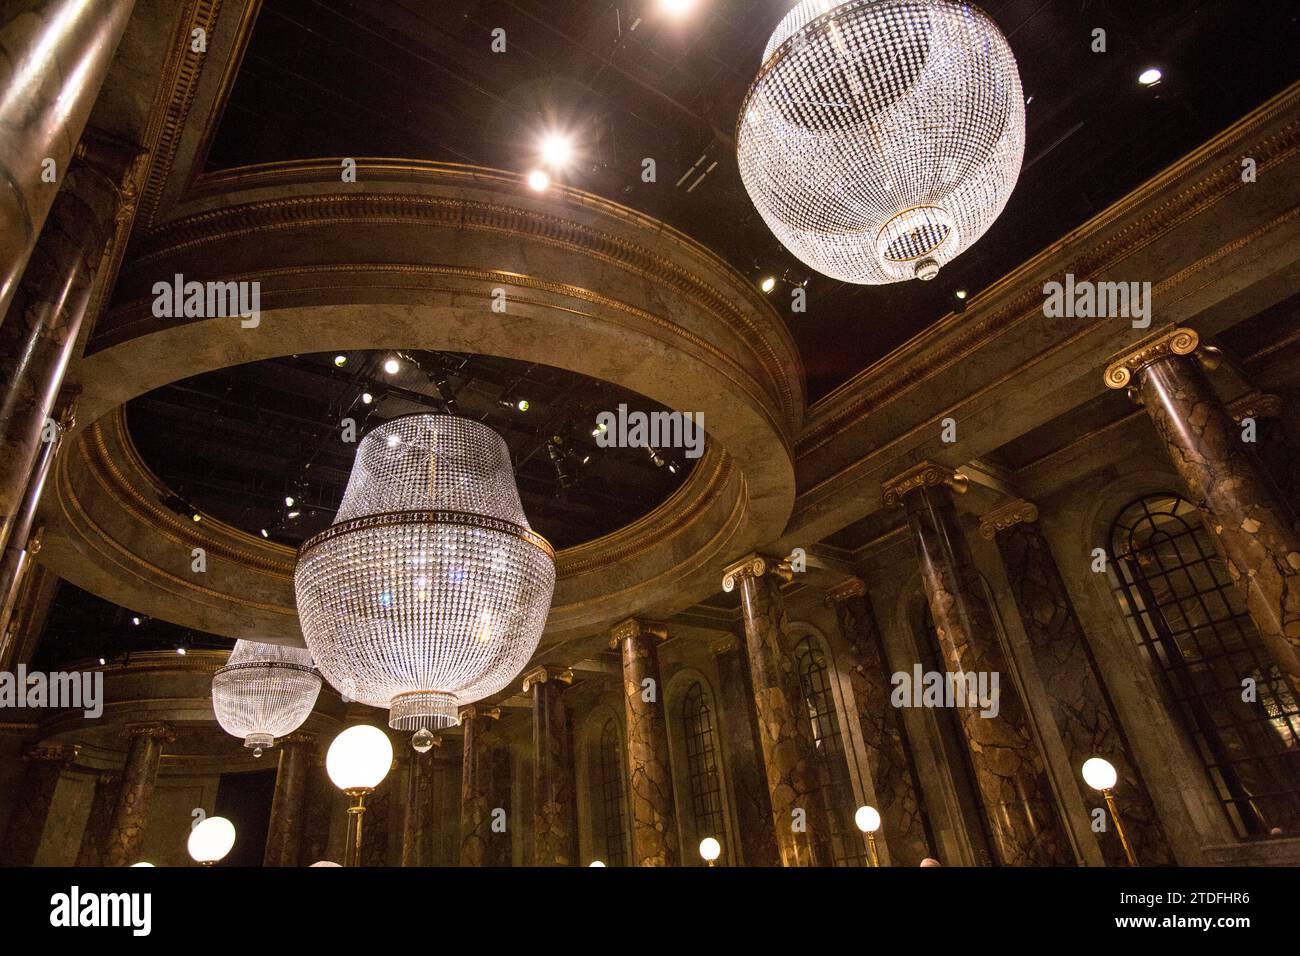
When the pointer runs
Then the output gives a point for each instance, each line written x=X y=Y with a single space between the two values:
x=767 y=284
x=265 y=534
x=367 y=398
x=557 y=150
x=523 y=405
x=1150 y=76
x=102 y=662
x=136 y=621
x=196 y=516
x=599 y=430
x=288 y=501
x=180 y=651
x=340 y=361
x=293 y=514
x=960 y=293
x=676 y=8
x=672 y=467
x=392 y=366
x=539 y=181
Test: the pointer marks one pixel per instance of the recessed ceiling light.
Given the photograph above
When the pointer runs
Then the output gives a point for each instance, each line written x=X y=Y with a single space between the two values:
x=340 y=361
x=768 y=283
x=523 y=405
x=102 y=662
x=367 y=398
x=392 y=366
x=1150 y=77
x=294 y=514
x=265 y=533
x=288 y=501
x=136 y=620
x=539 y=181
x=180 y=651
x=196 y=516
x=960 y=293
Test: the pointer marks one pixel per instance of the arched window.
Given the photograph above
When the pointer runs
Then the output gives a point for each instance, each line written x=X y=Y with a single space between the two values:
x=847 y=847
x=613 y=795
x=702 y=767
x=1191 y=625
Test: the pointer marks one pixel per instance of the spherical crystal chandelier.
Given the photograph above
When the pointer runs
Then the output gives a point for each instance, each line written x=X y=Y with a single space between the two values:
x=430 y=590
x=265 y=691
x=882 y=137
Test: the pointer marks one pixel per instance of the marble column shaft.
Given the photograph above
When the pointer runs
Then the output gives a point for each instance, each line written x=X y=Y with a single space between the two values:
x=284 y=836
x=785 y=731
x=102 y=803
x=31 y=810
x=888 y=758
x=554 y=799
x=39 y=332
x=484 y=788
x=654 y=824
x=739 y=730
x=1081 y=708
x=54 y=55
x=1253 y=527
x=1009 y=769
x=126 y=832
x=418 y=819
x=16 y=557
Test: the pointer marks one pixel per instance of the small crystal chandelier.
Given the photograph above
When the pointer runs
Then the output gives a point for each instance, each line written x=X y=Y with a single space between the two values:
x=430 y=590
x=882 y=137
x=265 y=691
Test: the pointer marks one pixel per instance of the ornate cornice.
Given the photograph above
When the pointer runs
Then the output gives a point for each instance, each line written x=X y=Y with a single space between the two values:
x=155 y=730
x=927 y=474
x=545 y=673
x=1166 y=343
x=1256 y=404
x=1017 y=297
x=756 y=566
x=1007 y=516
x=63 y=754
x=634 y=628
x=300 y=738
x=845 y=590
x=472 y=711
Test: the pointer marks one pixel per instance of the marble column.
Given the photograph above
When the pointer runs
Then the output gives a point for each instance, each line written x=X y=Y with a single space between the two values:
x=889 y=760
x=126 y=831
x=95 y=835
x=555 y=832
x=54 y=55
x=39 y=332
x=1081 y=708
x=1009 y=770
x=785 y=732
x=654 y=822
x=739 y=732
x=483 y=790
x=284 y=836
x=31 y=810
x=418 y=819
x=1252 y=525
x=37 y=589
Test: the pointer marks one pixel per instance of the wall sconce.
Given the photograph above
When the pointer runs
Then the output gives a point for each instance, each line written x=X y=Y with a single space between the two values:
x=1100 y=774
x=357 y=762
x=868 y=821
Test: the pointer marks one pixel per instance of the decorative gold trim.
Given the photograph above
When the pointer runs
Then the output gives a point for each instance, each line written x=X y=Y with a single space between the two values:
x=634 y=628
x=1007 y=516
x=927 y=474
x=157 y=730
x=1166 y=343
x=756 y=566
x=846 y=589
x=394 y=519
x=547 y=672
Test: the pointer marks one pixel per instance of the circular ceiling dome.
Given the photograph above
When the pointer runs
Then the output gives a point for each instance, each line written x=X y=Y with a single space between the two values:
x=882 y=138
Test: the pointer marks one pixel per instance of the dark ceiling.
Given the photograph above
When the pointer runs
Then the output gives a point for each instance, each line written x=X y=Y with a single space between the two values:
x=417 y=79
x=237 y=443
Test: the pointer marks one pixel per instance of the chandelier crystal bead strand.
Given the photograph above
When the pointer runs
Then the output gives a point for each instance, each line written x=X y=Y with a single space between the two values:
x=882 y=138
x=430 y=590
x=265 y=691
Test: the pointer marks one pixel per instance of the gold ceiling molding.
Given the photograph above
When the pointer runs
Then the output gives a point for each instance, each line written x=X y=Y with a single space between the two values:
x=175 y=96
x=845 y=590
x=956 y=336
x=1163 y=344
x=1007 y=516
x=300 y=212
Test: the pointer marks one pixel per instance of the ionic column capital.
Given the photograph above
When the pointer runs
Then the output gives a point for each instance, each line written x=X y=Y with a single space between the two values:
x=845 y=590
x=635 y=627
x=927 y=474
x=155 y=730
x=471 y=711
x=1257 y=404
x=63 y=754
x=756 y=566
x=546 y=673
x=302 y=738
x=1007 y=516
x=1166 y=343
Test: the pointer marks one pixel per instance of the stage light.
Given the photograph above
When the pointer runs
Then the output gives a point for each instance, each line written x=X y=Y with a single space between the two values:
x=539 y=181
x=392 y=366
x=767 y=284
x=1150 y=76
x=557 y=150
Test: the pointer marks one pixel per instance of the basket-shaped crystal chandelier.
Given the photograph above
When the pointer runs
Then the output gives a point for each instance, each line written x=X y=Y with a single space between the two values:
x=882 y=137
x=265 y=691
x=430 y=590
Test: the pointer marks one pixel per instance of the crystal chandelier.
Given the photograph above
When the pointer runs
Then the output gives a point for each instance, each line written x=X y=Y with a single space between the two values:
x=265 y=691
x=882 y=137
x=430 y=590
